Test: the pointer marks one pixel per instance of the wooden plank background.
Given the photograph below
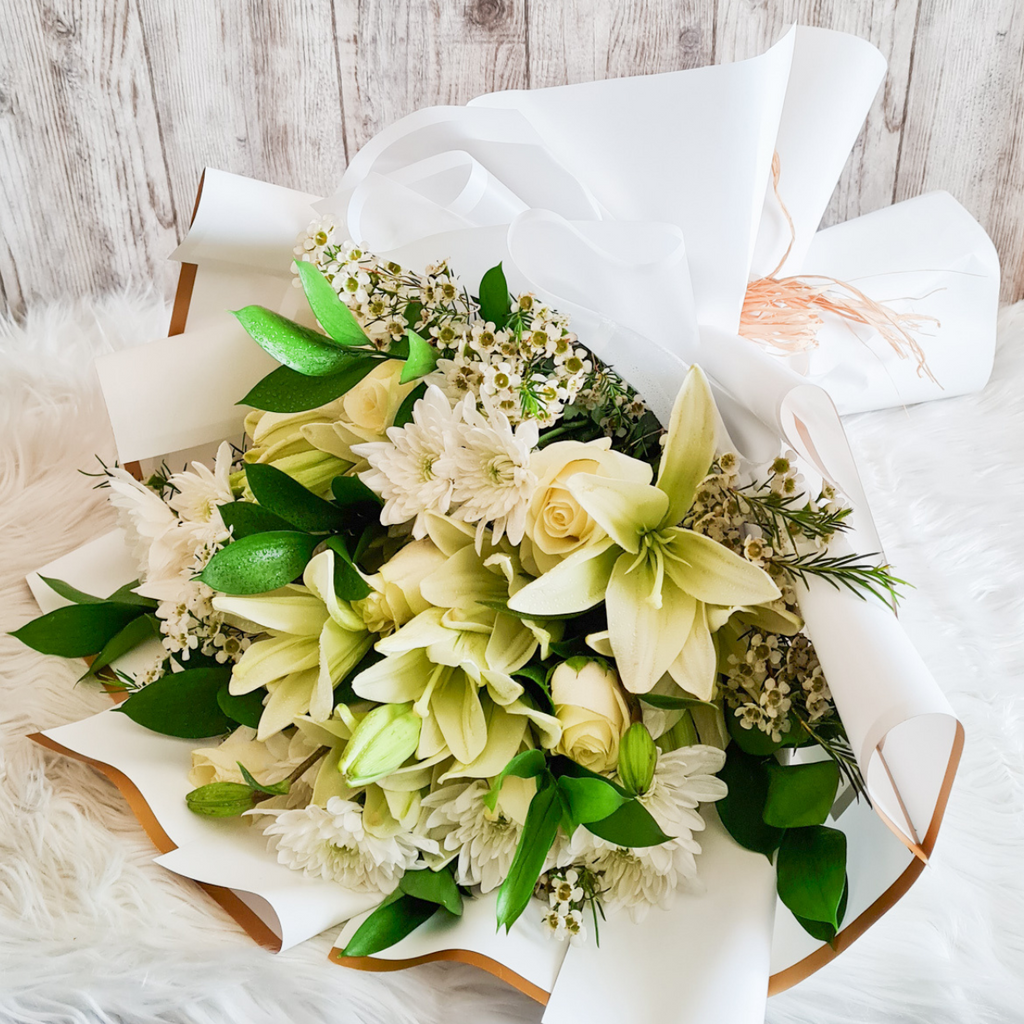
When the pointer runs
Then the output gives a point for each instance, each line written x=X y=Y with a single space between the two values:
x=110 y=109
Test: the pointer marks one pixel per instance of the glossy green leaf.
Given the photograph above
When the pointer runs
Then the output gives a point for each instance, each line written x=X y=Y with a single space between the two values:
x=306 y=351
x=124 y=595
x=285 y=390
x=525 y=765
x=182 y=704
x=819 y=929
x=138 y=631
x=800 y=794
x=495 y=301
x=404 y=414
x=433 y=886
x=561 y=765
x=350 y=490
x=248 y=518
x=590 y=800
x=742 y=809
x=244 y=709
x=538 y=835
x=421 y=360
x=334 y=316
x=348 y=584
x=631 y=825
x=811 y=872
x=260 y=563
x=398 y=916
x=279 y=493
x=77 y=630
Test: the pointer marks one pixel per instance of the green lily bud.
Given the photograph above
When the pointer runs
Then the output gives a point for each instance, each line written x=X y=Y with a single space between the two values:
x=637 y=757
x=221 y=799
x=382 y=742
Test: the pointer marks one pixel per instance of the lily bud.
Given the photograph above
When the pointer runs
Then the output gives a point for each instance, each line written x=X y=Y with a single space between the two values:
x=637 y=758
x=381 y=743
x=221 y=799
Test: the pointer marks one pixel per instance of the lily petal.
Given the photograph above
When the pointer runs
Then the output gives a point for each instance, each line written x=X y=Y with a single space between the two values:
x=511 y=645
x=714 y=574
x=690 y=445
x=395 y=680
x=319 y=578
x=574 y=585
x=340 y=652
x=504 y=735
x=695 y=667
x=289 y=698
x=288 y=610
x=463 y=579
x=623 y=509
x=267 y=660
x=456 y=708
x=645 y=639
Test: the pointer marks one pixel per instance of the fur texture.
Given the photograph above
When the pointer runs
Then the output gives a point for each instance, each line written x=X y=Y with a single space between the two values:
x=92 y=931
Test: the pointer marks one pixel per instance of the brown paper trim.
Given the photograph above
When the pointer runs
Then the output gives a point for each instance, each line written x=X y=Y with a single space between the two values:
x=458 y=956
x=232 y=904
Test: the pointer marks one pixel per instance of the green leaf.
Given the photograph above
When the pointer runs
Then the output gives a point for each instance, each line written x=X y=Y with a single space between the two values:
x=70 y=593
x=435 y=887
x=348 y=584
x=181 y=704
x=422 y=358
x=590 y=800
x=245 y=709
x=248 y=518
x=631 y=825
x=561 y=765
x=538 y=835
x=819 y=929
x=811 y=872
x=526 y=765
x=277 y=789
x=350 y=490
x=307 y=352
x=495 y=301
x=666 y=703
x=800 y=794
x=77 y=630
x=404 y=414
x=285 y=390
x=334 y=316
x=389 y=923
x=742 y=809
x=277 y=492
x=260 y=563
x=124 y=595
x=138 y=631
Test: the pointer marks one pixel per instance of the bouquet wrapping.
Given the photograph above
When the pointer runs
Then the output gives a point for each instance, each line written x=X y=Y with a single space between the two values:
x=673 y=218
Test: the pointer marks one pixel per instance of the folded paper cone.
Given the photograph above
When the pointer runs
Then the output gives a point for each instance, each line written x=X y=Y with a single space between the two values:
x=643 y=207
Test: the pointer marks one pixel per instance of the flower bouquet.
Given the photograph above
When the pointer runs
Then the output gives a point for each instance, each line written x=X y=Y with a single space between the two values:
x=516 y=600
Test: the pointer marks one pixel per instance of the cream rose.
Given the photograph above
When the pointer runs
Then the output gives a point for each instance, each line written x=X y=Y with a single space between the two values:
x=396 y=595
x=556 y=523
x=590 y=706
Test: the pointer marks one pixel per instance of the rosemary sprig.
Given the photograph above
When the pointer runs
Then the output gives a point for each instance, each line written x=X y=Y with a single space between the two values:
x=776 y=515
x=851 y=571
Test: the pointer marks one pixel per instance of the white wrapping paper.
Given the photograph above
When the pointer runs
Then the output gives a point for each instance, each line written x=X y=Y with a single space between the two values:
x=643 y=207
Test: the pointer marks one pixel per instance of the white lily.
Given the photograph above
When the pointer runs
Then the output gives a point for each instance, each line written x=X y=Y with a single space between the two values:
x=314 y=641
x=655 y=577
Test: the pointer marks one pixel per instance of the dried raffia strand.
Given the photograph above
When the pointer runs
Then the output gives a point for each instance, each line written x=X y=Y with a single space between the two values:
x=784 y=313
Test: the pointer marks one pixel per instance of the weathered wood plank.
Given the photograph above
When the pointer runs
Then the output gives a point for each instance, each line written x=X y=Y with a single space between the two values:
x=247 y=88
x=397 y=57
x=965 y=120
x=85 y=203
x=588 y=40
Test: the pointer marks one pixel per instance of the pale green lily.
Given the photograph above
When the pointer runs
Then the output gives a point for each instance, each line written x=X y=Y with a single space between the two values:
x=656 y=578
x=314 y=641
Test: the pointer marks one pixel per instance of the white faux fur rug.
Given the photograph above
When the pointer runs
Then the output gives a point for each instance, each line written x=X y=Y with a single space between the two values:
x=92 y=931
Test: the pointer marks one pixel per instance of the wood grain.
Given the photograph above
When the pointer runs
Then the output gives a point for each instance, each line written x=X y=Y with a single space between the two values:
x=109 y=109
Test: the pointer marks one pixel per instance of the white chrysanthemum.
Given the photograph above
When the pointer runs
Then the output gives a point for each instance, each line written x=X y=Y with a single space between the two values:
x=200 y=492
x=409 y=470
x=683 y=779
x=492 y=474
x=331 y=843
x=159 y=547
x=637 y=879
x=485 y=840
